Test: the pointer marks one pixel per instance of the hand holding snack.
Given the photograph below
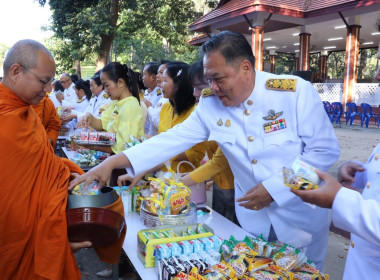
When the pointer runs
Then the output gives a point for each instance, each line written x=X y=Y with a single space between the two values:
x=301 y=176
x=324 y=195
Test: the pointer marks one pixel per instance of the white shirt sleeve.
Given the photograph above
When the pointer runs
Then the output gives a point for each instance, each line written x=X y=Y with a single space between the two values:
x=167 y=144
x=357 y=215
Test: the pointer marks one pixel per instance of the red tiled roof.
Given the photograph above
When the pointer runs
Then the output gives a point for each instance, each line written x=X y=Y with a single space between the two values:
x=199 y=39
x=295 y=8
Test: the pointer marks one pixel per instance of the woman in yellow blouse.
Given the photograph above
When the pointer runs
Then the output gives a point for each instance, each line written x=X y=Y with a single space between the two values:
x=124 y=116
x=177 y=88
x=217 y=168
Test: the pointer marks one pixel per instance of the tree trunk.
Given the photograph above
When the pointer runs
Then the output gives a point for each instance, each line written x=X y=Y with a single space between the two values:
x=103 y=55
x=78 y=69
x=106 y=40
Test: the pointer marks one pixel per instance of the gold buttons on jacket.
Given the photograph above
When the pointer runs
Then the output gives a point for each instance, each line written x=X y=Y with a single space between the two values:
x=251 y=138
x=249 y=102
x=254 y=161
x=368 y=184
x=352 y=244
x=247 y=112
x=376 y=156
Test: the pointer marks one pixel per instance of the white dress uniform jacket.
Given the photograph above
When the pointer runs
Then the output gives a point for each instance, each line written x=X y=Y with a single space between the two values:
x=95 y=103
x=256 y=156
x=360 y=215
x=154 y=115
x=154 y=96
x=70 y=97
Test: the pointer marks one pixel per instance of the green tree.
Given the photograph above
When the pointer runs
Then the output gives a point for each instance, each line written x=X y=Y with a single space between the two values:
x=335 y=64
x=285 y=63
x=91 y=26
x=3 y=49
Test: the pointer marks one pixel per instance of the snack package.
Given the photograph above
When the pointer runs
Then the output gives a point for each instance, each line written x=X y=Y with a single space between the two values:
x=163 y=251
x=175 y=248
x=208 y=243
x=300 y=176
x=308 y=272
x=92 y=137
x=186 y=247
x=106 y=137
x=258 y=263
x=166 y=271
x=195 y=273
x=92 y=189
x=183 y=276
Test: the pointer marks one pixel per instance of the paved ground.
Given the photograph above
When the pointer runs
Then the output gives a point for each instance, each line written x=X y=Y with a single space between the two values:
x=355 y=143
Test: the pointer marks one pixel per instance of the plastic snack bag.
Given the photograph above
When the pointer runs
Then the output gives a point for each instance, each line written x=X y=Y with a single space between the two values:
x=300 y=176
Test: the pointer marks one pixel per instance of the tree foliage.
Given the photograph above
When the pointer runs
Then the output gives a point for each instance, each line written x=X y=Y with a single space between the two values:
x=143 y=30
x=3 y=49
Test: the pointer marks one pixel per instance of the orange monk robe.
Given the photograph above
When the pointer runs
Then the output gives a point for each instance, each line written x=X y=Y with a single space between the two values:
x=49 y=118
x=33 y=227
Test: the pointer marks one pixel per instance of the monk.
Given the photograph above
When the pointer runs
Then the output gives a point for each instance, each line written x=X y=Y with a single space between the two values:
x=33 y=229
x=49 y=118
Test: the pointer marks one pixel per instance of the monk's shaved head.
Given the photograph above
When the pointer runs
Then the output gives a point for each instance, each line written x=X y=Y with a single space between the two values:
x=24 y=52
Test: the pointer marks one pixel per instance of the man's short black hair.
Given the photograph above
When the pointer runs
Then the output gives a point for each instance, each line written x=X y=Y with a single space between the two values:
x=152 y=68
x=233 y=46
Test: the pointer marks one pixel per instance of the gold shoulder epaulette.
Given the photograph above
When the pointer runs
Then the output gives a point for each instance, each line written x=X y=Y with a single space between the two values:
x=207 y=92
x=159 y=91
x=281 y=84
x=105 y=95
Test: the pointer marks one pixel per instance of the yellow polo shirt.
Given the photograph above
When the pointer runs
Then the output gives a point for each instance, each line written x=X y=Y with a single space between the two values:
x=124 y=117
x=217 y=168
x=167 y=121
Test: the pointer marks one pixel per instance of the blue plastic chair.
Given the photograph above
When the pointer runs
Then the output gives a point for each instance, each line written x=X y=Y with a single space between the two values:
x=367 y=114
x=329 y=110
x=337 y=112
x=352 y=112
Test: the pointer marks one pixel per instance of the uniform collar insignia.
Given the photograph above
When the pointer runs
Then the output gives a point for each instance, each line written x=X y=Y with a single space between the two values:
x=281 y=84
x=105 y=95
x=92 y=96
x=272 y=115
x=80 y=101
x=207 y=92
x=159 y=91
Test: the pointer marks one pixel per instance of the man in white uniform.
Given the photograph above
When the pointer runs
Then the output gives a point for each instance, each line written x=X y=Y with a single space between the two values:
x=70 y=97
x=149 y=80
x=154 y=111
x=261 y=122
x=358 y=214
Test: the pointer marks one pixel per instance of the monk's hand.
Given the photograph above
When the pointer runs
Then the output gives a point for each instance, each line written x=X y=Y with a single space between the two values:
x=347 y=171
x=324 y=195
x=256 y=198
x=100 y=173
x=128 y=180
x=75 y=246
